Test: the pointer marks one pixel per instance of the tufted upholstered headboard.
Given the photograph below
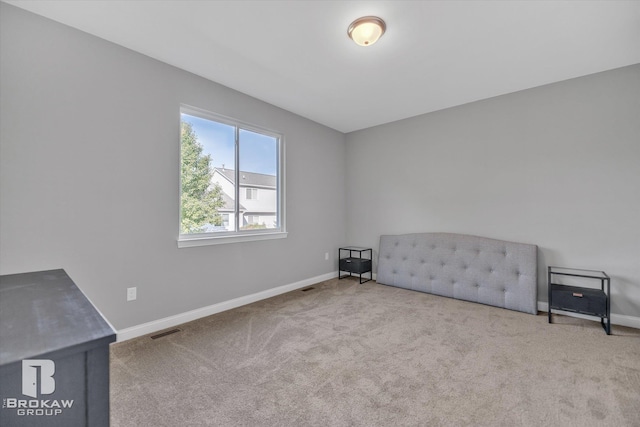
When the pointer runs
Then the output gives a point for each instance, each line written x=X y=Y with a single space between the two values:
x=471 y=268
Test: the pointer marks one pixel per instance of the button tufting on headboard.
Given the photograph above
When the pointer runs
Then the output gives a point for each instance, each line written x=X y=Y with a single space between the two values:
x=472 y=268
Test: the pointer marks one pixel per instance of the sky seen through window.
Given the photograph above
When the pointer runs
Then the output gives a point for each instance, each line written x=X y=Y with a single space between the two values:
x=258 y=153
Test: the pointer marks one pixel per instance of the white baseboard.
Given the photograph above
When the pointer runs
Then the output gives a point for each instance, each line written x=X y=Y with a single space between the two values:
x=616 y=319
x=178 y=319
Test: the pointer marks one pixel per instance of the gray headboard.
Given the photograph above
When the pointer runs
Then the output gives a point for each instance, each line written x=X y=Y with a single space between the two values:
x=471 y=268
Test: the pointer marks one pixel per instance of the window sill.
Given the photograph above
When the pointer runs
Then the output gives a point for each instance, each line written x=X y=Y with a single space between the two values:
x=221 y=240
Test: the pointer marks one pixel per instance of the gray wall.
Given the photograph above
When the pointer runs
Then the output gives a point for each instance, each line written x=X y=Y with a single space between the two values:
x=557 y=166
x=89 y=177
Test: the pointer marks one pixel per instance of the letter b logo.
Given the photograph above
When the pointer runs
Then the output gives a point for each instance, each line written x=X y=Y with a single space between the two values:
x=30 y=377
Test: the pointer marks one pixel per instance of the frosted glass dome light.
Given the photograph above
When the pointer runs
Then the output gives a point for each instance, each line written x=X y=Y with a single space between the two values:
x=367 y=30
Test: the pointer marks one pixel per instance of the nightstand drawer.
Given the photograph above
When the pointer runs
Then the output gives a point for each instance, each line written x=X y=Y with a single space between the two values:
x=355 y=265
x=578 y=299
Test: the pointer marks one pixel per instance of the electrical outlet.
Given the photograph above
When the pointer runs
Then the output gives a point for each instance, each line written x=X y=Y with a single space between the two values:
x=326 y=256
x=132 y=293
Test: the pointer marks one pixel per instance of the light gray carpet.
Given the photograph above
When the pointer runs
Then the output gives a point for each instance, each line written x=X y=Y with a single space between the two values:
x=345 y=354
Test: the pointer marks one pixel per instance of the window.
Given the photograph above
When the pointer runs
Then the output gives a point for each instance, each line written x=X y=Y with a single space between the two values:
x=252 y=194
x=224 y=166
x=252 y=219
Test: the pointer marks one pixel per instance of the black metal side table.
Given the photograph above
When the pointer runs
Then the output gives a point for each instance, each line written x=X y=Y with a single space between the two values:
x=355 y=265
x=580 y=299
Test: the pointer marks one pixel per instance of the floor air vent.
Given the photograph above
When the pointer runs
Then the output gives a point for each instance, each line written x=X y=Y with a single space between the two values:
x=307 y=289
x=164 y=334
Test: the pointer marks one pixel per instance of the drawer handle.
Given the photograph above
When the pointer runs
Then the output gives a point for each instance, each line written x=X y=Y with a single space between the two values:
x=576 y=294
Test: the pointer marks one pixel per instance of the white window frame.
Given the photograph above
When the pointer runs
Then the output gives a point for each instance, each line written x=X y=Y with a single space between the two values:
x=216 y=238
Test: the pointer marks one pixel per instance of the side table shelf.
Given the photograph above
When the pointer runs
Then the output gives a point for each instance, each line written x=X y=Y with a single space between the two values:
x=355 y=265
x=579 y=299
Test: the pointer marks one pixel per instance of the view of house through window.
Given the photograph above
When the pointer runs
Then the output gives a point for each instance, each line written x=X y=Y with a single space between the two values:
x=229 y=176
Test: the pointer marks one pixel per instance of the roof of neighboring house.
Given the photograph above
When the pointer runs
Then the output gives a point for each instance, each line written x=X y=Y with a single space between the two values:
x=249 y=179
x=229 y=205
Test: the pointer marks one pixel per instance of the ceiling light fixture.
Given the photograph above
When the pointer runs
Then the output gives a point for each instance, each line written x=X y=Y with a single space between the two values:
x=367 y=30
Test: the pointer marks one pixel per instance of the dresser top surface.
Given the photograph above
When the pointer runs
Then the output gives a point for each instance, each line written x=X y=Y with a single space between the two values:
x=43 y=312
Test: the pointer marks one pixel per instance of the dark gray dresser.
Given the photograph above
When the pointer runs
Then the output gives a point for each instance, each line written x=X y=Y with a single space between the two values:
x=54 y=353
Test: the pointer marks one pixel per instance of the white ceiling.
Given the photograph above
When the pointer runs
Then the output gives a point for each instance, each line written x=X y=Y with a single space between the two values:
x=435 y=54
